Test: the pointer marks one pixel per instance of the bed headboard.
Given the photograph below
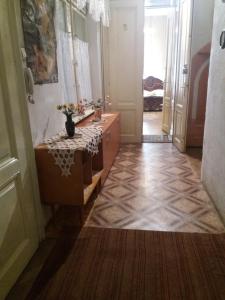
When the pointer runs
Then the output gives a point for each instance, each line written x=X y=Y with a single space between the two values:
x=152 y=83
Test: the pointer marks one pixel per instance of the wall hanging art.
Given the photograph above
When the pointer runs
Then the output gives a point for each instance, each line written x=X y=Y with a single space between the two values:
x=40 y=39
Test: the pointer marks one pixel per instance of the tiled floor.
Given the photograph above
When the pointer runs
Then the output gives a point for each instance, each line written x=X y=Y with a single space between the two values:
x=150 y=186
x=154 y=187
x=152 y=123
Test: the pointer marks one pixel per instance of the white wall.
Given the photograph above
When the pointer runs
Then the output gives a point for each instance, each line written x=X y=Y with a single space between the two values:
x=213 y=168
x=202 y=24
x=45 y=120
x=155 y=46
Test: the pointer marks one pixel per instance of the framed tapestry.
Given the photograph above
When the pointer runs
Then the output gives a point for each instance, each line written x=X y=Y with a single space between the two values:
x=40 y=39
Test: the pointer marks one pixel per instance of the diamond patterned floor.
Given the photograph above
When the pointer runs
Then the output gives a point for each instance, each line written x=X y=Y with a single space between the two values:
x=154 y=187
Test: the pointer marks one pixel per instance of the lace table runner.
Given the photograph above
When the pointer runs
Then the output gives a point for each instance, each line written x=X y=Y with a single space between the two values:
x=62 y=149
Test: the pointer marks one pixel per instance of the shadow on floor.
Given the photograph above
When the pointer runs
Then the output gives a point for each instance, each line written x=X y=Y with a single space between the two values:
x=61 y=235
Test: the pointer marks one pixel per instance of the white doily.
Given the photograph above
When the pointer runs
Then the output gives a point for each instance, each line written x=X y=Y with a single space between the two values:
x=62 y=149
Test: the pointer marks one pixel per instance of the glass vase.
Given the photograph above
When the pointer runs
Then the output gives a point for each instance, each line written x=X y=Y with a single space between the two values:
x=70 y=126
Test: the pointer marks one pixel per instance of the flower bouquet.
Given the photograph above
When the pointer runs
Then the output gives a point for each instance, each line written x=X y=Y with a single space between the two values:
x=98 y=109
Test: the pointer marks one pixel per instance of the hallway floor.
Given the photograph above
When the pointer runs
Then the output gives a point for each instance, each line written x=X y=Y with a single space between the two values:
x=154 y=187
x=152 y=123
x=150 y=186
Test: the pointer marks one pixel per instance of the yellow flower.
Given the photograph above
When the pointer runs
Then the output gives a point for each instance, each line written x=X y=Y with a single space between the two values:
x=71 y=106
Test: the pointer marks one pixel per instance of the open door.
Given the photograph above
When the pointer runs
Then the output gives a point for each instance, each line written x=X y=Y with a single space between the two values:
x=182 y=76
x=169 y=82
x=19 y=235
x=126 y=49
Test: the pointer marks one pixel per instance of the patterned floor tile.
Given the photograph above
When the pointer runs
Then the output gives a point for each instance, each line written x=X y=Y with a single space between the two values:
x=155 y=187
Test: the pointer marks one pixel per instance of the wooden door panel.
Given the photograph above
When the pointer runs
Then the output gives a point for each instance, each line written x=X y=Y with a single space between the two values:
x=18 y=228
x=178 y=130
x=169 y=82
x=166 y=122
x=126 y=39
x=15 y=246
x=182 y=77
x=4 y=149
x=11 y=218
x=128 y=125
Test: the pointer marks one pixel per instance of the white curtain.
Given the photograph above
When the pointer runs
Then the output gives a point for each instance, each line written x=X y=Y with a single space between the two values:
x=81 y=4
x=66 y=74
x=83 y=69
x=64 y=57
x=106 y=14
x=97 y=9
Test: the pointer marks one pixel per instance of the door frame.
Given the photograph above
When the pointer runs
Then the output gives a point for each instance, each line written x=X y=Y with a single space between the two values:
x=15 y=23
x=183 y=149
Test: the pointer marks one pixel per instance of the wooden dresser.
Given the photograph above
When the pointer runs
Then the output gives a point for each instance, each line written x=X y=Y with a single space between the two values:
x=88 y=172
x=110 y=139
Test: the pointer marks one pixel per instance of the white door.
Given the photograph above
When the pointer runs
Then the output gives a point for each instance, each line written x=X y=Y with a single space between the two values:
x=126 y=50
x=18 y=220
x=169 y=82
x=182 y=77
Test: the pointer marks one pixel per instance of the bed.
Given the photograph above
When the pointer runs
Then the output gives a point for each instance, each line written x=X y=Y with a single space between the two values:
x=153 y=101
x=153 y=94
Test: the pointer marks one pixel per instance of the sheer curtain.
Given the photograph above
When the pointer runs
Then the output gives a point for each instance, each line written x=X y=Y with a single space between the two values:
x=83 y=69
x=65 y=56
x=81 y=4
x=97 y=9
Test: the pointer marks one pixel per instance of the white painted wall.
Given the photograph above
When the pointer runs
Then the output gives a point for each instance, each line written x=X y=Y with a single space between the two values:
x=155 y=45
x=45 y=120
x=202 y=24
x=213 y=168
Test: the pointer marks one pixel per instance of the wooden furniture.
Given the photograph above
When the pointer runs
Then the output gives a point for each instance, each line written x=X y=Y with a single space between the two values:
x=87 y=172
x=110 y=140
x=153 y=103
x=75 y=189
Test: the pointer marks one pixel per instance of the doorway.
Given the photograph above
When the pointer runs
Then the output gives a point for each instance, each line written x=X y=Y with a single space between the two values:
x=157 y=45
